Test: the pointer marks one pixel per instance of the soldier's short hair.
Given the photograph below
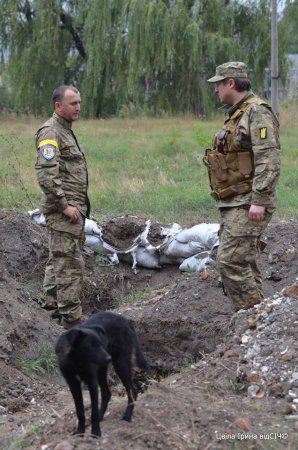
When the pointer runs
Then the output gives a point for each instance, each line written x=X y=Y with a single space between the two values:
x=241 y=84
x=59 y=92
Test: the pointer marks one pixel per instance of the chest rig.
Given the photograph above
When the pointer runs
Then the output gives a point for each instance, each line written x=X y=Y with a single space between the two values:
x=230 y=163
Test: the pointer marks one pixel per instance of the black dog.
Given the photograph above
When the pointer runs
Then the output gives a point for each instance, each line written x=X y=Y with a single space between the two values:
x=84 y=353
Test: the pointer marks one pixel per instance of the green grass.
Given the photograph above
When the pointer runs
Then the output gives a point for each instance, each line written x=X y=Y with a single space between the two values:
x=45 y=362
x=145 y=166
x=133 y=297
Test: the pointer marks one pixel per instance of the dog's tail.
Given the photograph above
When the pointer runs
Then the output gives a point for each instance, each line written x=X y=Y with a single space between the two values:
x=140 y=358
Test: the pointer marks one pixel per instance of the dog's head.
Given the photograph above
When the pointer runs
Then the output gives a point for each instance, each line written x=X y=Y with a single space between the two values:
x=82 y=346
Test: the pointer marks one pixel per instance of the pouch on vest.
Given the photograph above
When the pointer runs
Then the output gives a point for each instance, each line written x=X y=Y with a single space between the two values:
x=217 y=165
x=245 y=164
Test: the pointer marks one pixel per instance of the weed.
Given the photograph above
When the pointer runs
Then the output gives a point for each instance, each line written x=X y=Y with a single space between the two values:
x=132 y=297
x=45 y=362
x=237 y=387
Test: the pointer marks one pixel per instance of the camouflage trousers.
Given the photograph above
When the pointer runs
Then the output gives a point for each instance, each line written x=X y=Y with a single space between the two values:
x=64 y=274
x=237 y=256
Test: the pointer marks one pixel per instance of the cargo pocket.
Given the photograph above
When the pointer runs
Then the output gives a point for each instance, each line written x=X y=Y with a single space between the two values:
x=240 y=226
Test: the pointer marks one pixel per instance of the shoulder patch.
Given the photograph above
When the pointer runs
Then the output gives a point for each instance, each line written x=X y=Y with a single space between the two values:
x=48 y=148
x=263 y=133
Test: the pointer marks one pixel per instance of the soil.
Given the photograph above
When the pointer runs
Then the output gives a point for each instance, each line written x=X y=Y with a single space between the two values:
x=220 y=379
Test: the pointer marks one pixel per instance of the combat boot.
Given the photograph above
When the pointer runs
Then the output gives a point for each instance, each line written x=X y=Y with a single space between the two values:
x=67 y=325
x=253 y=300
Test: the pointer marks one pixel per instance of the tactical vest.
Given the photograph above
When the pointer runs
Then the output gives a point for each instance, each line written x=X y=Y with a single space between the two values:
x=230 y=167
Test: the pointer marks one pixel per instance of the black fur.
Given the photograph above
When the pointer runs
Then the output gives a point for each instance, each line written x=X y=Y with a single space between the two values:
x=84 y=353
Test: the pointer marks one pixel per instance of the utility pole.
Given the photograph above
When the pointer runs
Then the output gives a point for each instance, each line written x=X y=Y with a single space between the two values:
x=274 y=57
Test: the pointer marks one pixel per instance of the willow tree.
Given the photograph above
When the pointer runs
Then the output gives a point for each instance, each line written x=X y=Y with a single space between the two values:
x=289 y=25
x=158 y=54
x=152 y=54
x=38 y=44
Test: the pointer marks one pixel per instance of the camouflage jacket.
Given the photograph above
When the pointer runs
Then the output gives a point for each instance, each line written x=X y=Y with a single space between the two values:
x=61 y=167
x=258 y=131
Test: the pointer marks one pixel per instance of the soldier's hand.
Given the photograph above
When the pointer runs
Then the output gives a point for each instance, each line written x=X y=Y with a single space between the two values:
x=256 y=213
x=73 y=213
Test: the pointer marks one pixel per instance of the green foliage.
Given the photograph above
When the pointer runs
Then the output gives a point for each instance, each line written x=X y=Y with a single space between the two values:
x=11 y=442
x=289 y=25
x=45 y=362
x=237 y=387
x=133 y=297
x=133 y=56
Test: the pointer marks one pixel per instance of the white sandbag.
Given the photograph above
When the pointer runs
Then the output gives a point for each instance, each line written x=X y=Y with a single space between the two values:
x=91 y=227
x=197 y=262
x=94 y=243
x=38 y=218
x=165 y=260
x=176 y=249
x=147 y=258
x=205 y=233
x=171 y=231
x=113 y=258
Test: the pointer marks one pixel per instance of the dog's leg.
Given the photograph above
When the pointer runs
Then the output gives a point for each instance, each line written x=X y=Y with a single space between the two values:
x=76 y=391
x=93 y=391
x=123 y=369
x=105 y=391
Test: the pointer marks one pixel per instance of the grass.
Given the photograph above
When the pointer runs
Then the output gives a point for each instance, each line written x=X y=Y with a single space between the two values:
x=133 y=297
x=25 y=441
x=145 y=166
x=45 y=362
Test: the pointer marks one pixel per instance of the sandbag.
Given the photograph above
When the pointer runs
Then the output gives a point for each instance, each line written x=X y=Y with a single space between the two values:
x=91 y=227
x=146 y=258
x=94 y=243
x=197 y=262
x=165 y=260
x=205 y=233
x=176 y=249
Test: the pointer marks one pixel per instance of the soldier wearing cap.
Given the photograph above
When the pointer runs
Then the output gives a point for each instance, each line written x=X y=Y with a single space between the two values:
x=63 y=177
x=243 y=167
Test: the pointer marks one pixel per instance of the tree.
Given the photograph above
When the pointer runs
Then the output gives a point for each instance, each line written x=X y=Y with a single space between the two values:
x=39 y=40
x=289 y=25
x=147 y=55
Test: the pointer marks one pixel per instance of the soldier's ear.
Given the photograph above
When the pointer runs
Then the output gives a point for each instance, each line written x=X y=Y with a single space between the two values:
x=57 y=106
x=231 y=83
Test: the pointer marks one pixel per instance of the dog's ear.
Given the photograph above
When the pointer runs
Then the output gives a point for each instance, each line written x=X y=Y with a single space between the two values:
x=66 y=342
x=99 y=330
x=74 y=335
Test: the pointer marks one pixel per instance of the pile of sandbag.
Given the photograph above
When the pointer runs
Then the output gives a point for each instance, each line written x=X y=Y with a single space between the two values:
x=151 y=245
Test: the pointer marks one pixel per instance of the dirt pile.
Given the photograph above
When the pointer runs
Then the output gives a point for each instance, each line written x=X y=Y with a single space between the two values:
x=224 y=366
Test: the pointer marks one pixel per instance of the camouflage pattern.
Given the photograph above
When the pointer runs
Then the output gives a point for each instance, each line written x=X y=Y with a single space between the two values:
x=232 y=69
x=237 y=256
x=63 y=177
x=257 y=119
x=64 y=275
x=61 y=170
x=257 y=130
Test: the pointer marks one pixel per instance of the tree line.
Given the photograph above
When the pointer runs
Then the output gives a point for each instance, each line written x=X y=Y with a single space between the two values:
x=132 y=56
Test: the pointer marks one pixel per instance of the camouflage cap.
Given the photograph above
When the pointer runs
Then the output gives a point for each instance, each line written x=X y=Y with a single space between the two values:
x=229 y=70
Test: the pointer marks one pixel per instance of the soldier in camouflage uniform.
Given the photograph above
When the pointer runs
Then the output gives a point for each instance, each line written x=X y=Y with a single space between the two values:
x=243 y=166
x=63 y=177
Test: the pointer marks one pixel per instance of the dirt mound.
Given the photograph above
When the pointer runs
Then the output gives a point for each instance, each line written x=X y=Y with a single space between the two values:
x=224 y=366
